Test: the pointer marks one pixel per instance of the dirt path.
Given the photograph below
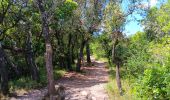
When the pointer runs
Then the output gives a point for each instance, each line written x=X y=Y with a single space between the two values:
x=85 y=86
x=91 y=84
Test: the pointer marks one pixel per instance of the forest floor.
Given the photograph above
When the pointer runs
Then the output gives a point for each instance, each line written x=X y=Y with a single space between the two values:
x=88 y=85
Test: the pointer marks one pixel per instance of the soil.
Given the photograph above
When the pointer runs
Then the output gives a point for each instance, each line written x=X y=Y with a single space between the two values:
x=88 y=85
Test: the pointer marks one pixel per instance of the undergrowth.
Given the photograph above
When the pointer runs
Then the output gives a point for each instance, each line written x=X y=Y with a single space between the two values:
x=27 y=83
x=112 y=89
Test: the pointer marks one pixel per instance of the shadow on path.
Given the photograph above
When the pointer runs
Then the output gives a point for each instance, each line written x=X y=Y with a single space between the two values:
x=93 y=81
x=78 y=85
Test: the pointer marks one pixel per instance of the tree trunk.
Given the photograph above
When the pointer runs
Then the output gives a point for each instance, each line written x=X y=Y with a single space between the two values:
x=49 y=68
x=72 y=54
x=117 y=63
x=3 y=72
x=113 y=50
x=48 y=54
x=69 y=56
x=80 y=56
x=30 y=58
x=88 y=52
x=61 y=52
x=118 y=80
x=74 y=50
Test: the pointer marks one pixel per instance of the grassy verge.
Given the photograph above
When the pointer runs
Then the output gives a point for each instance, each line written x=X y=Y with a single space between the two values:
x=112 y=89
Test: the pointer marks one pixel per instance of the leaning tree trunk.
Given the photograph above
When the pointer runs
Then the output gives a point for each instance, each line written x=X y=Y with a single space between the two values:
x=80 y=56
x=88 y=52
x=3 y=72
x=30 y=58
x=48 y=54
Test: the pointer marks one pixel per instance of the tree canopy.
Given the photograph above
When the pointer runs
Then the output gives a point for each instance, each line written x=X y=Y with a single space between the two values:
x=40 y=39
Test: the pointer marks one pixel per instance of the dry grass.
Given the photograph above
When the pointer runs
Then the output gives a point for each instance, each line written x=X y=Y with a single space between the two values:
x=112 y=89
x=114 y=94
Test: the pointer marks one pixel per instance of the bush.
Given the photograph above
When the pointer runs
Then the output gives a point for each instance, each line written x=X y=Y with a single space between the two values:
x=149 y=63
x=152 y=85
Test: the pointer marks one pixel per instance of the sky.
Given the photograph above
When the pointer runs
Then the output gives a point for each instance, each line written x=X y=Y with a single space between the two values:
x=134 y=26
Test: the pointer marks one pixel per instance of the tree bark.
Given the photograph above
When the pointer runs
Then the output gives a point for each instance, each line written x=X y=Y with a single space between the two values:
x=116 y=61
x=30 y=58
x=118 y=80
x=88 y=52
x=48 y=54
x=69 y=56
x=113 y=50
x=3 y=72
x=72 y=54
x=80 y=56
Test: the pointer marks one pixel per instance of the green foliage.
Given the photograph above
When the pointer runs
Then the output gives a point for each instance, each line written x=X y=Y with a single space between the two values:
x=112 y=89
x=66 y=10
x=148 y=65
x=157 y=22
x=121 y=51
x=96 y=46
x=113 y=17
x=28 y=83
x=58 y=73
x=149 y=57
x=153 y=85
x=40 y=61
x=23 y=82
x=145 y=55
x=103 y=44
x=137 y=55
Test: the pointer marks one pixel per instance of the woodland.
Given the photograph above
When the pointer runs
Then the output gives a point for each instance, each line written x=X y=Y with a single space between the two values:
x=41 y=40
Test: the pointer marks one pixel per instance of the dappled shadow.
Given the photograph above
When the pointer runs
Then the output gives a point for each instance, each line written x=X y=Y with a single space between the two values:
x=37 y=94
x=77 y=82
x=91 y=80
x=93 y=75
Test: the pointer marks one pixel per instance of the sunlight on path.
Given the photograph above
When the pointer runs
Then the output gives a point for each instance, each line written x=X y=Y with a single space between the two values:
x=89 y=85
